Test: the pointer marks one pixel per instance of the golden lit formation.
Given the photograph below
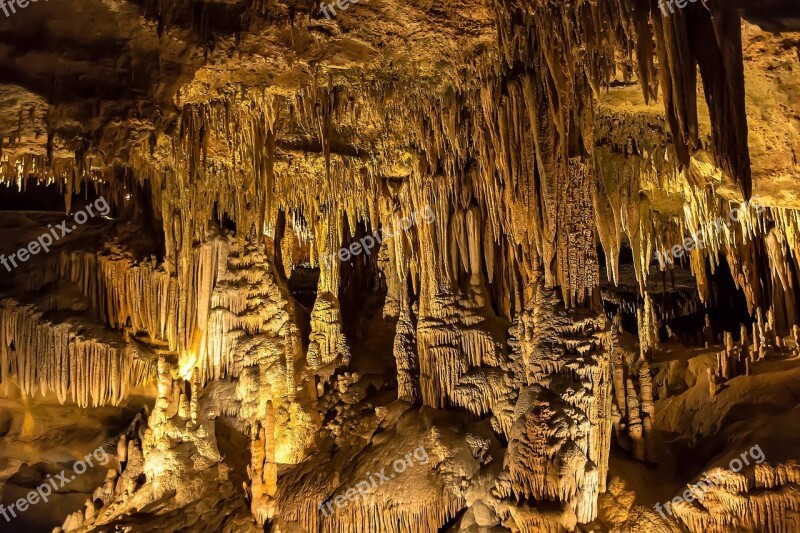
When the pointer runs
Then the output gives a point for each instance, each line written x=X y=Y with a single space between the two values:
x=383 y=266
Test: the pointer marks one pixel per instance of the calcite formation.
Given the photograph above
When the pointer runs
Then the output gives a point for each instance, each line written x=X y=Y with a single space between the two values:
x=469 y=266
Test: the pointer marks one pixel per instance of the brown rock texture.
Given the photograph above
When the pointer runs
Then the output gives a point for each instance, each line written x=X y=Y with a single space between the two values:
x=508 y=265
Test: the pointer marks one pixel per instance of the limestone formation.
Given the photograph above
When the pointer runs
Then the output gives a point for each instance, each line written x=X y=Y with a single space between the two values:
x=400 y=266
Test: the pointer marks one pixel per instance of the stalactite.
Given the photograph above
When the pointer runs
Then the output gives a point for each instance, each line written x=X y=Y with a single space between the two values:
x=123 y=291
x=783 y=282
x=379 y=514
x=608 y=229
x=577 y=255
x=451 y=334
x=68 y=358
x=617 y=195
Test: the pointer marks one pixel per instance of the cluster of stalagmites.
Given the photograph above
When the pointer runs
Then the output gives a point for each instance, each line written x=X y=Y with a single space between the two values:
x=560 y=437
x=170 y=459
x=128 y=458
x=761 y=497
x=633 y=406
x=738 y=359
x=253 y=339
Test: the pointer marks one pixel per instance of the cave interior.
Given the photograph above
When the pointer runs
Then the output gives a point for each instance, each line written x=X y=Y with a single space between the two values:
x=380 y=266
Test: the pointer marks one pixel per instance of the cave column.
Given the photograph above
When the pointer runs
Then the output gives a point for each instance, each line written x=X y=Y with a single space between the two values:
x=263 y=470
x=328 y=347
x=559 y=445
x=398 y=253
x=558 y=448
x=440 y=359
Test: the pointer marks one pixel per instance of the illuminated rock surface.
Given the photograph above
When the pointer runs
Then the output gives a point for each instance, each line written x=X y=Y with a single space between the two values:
x=419 y=266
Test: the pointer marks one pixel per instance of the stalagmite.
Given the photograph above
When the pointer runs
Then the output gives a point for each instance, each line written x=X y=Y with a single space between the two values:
x=648 y=328
x=328 y=346
x=405 y=353
x=735 y=359
x=648 y=409
x=708 y=333
x=566 y=462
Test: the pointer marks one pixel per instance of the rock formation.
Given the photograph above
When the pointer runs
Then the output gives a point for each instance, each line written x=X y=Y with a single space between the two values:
x=383 y=266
